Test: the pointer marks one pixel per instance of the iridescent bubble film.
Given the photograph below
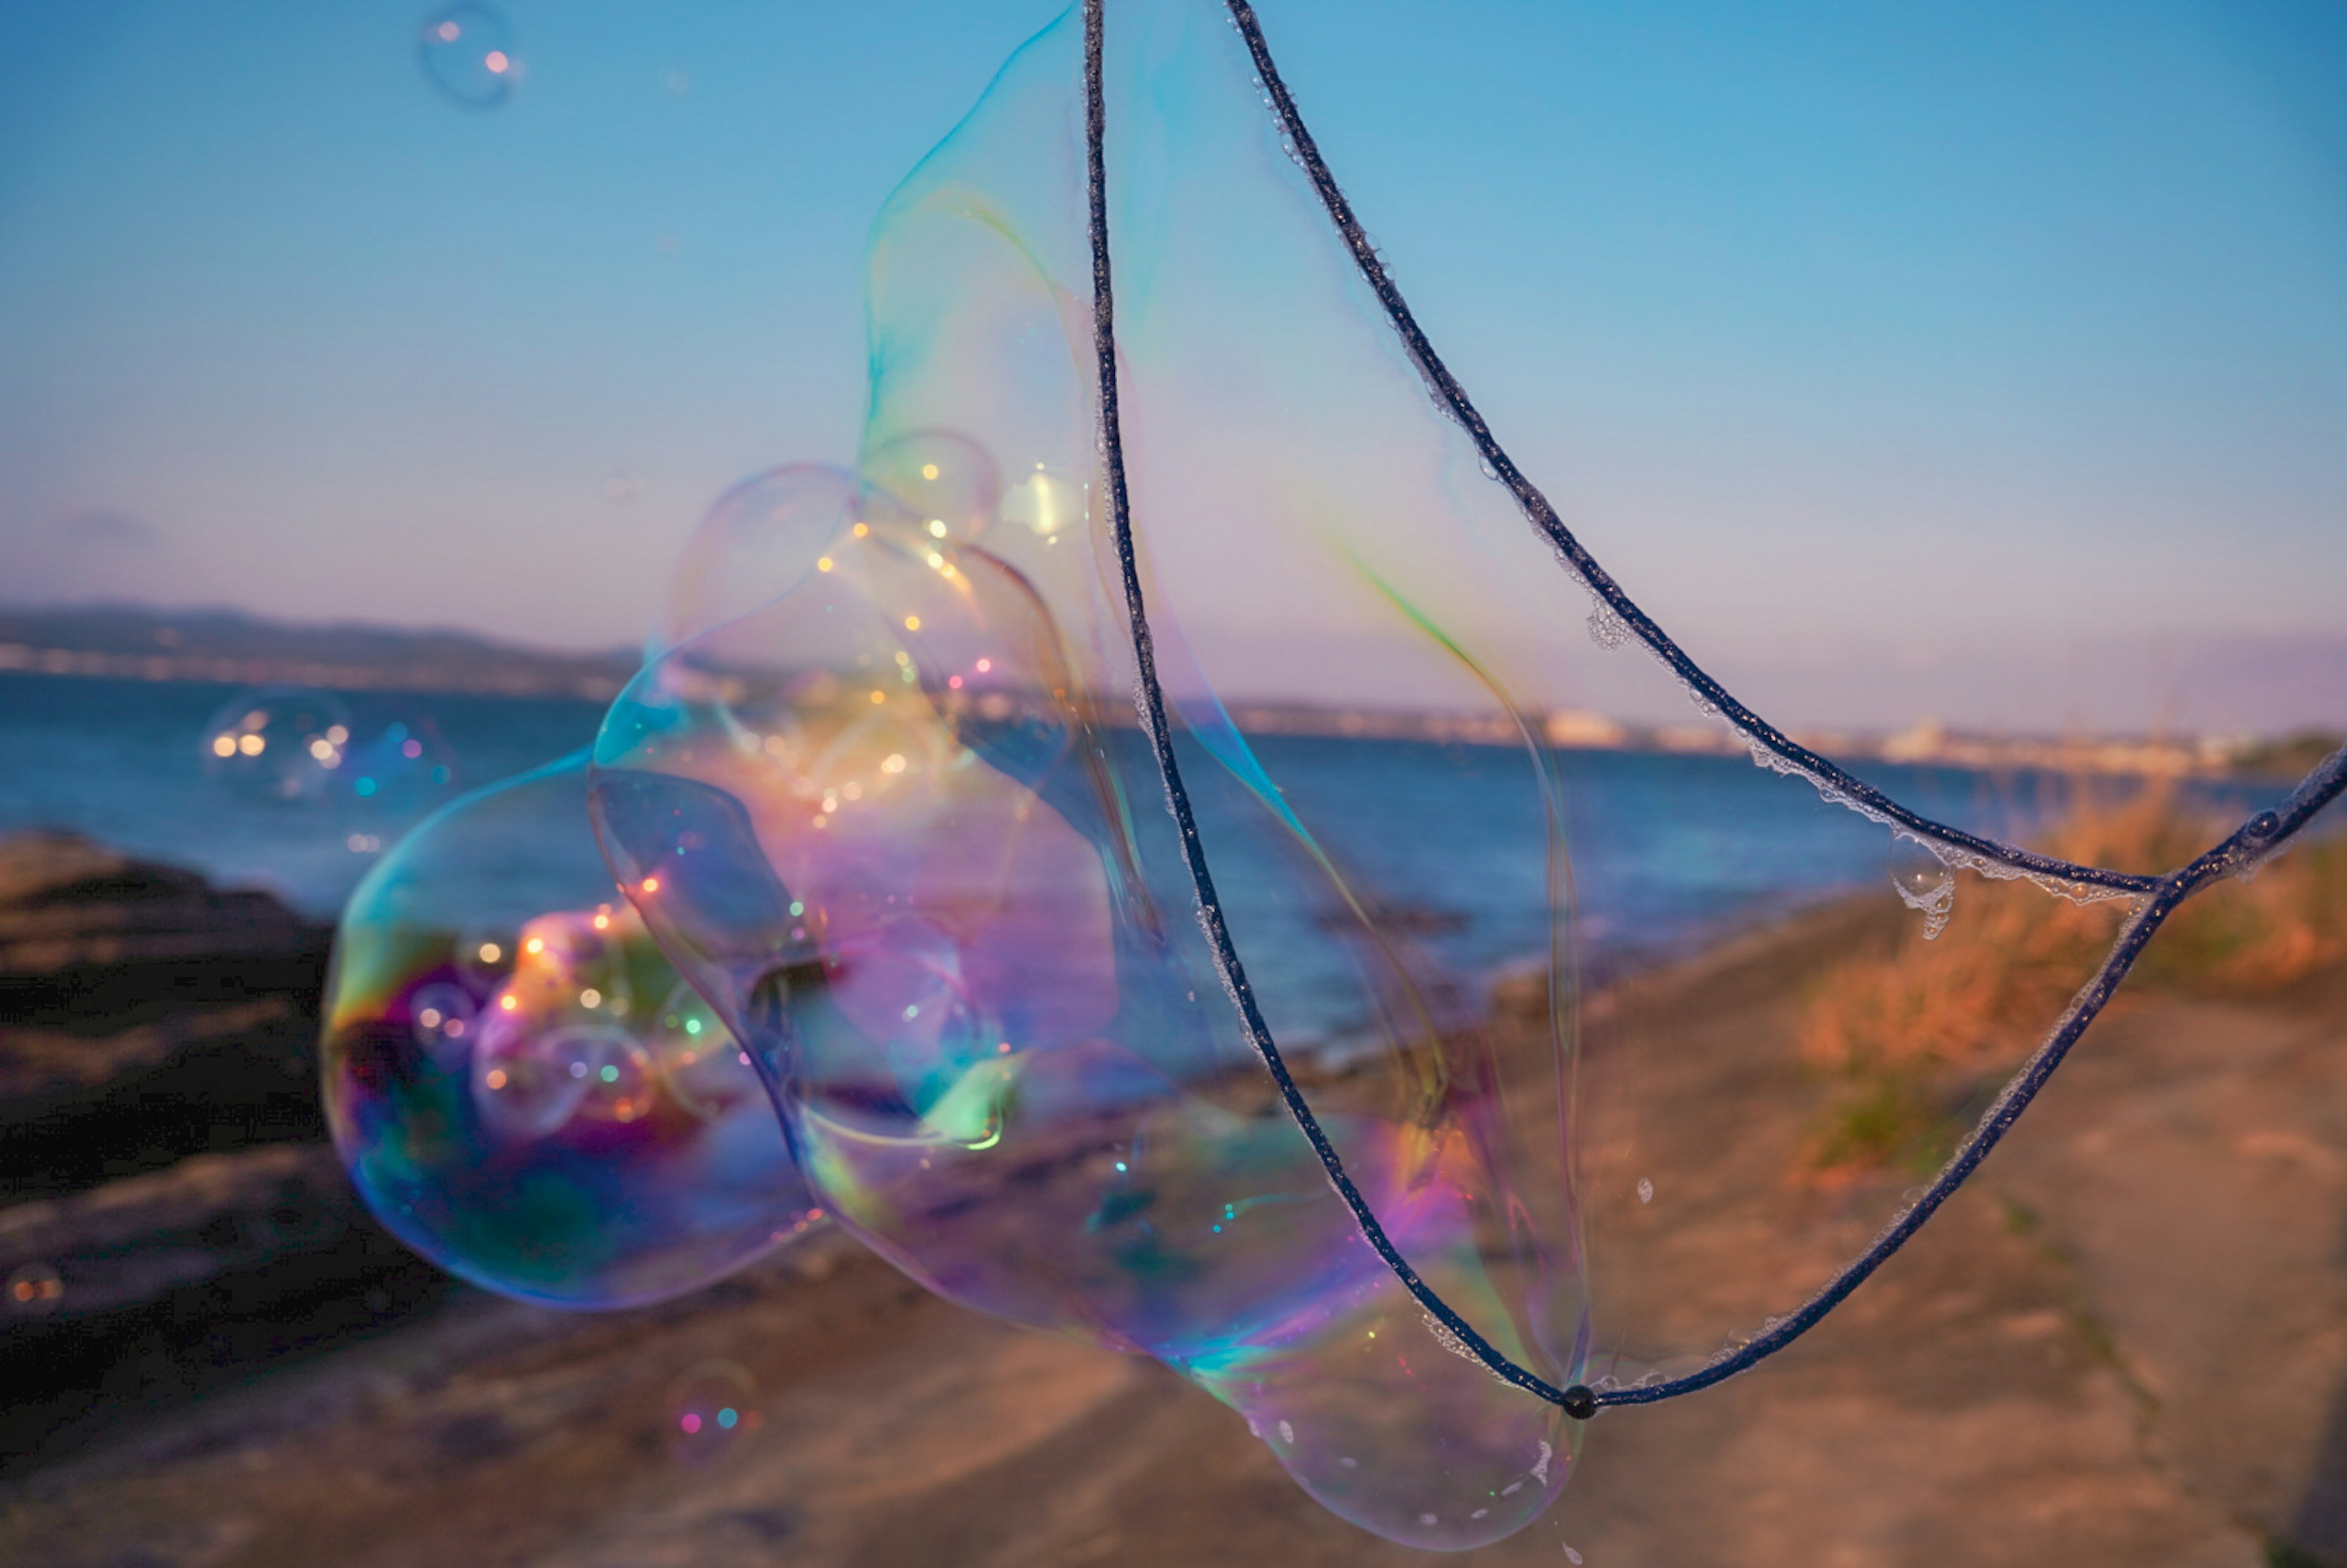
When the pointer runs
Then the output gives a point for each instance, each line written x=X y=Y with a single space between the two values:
x=523 y=1087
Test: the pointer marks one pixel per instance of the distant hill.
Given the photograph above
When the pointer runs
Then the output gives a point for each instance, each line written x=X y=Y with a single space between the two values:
x=140 y=642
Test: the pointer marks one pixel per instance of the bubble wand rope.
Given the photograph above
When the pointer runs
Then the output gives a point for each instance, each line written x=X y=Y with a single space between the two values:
x=1840 y=785
x=2248 y=844
x=1150 y=699
x=2262 y=836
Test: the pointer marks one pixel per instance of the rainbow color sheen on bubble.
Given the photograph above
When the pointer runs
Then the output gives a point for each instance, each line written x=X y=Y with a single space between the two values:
x=523 y=1089
x=899 y=824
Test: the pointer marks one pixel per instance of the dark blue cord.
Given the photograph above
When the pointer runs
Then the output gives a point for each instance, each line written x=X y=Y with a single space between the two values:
x=1151 y=698
x=2257 y=838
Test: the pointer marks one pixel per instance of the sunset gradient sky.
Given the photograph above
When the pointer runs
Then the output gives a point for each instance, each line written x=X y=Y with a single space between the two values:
x=1986 y=361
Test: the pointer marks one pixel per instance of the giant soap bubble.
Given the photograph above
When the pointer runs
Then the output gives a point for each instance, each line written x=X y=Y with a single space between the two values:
x=907 y=835
x=884 y=822
x=898 y=824
x=522 y=1087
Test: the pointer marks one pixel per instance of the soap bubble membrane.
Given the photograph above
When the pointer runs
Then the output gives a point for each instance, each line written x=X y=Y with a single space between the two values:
x=899 y=827
x=523 y=1089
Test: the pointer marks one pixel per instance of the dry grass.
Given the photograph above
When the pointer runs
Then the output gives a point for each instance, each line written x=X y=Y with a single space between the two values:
x=1916 y=1034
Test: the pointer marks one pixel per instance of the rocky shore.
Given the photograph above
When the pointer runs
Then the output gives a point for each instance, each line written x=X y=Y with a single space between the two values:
x=170 y=1216
x=2124 y=1344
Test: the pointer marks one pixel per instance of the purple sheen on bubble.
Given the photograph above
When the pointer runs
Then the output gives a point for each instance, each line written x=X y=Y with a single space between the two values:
x=277 y=744
x=515 y=1082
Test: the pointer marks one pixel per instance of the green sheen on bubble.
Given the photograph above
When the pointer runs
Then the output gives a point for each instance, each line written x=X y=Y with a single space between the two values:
x=520 y=1084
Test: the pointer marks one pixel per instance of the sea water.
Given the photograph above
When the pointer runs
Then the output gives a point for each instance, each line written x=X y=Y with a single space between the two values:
x=1668 y=852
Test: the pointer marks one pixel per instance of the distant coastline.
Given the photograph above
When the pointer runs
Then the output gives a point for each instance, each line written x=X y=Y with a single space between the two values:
x=132 y=642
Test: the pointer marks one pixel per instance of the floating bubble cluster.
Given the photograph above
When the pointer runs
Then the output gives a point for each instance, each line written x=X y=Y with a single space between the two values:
x=1924 y=883
x=883 y=822
x=888 y=846
x=299 y=749
x=402 y=771
x=521 y=1085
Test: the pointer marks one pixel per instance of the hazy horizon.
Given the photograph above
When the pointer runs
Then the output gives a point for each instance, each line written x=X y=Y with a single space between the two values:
x=2265 y=688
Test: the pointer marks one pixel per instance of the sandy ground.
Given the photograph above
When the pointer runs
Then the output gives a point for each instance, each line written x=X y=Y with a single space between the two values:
x=2124 y=1344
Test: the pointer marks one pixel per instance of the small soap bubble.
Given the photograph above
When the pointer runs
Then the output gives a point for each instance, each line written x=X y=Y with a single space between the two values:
x=1572 y=1556
x=277 y=743
x=758 y=541
x=467 y=55
x=1924 y=882
x=1645 y=1190
x=947 y=481
x=522 y=1085
x=1606 y=627
x=711 y=1409
x=399 y=773
x=34 y=1290
x=441 y=1014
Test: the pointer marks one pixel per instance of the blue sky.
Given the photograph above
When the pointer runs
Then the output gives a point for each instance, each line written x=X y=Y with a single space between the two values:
x=1904 y=356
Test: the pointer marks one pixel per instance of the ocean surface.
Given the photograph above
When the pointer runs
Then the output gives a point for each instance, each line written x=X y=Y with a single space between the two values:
x=1667 y=852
